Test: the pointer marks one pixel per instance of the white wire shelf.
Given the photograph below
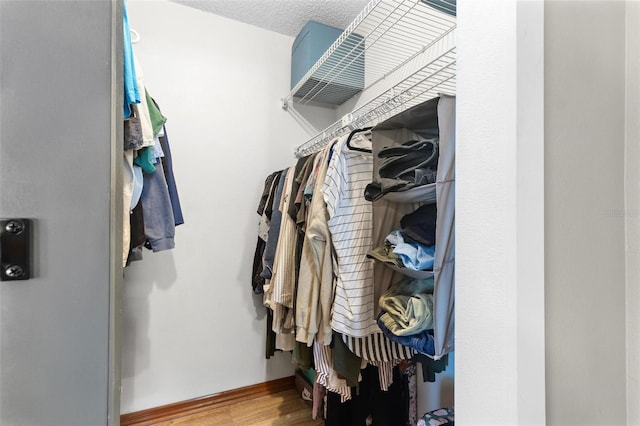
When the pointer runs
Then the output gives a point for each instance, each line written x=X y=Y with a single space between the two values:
x=394 y=55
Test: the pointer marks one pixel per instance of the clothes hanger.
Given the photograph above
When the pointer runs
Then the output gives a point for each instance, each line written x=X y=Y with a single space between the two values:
x=355 y=148
x=136 y=36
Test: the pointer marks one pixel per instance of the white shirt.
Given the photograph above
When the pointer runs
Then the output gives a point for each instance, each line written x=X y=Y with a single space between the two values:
x=351 y=226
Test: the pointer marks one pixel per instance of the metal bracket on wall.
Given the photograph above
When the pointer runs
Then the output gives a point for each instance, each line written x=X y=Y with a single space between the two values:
x=15 y=249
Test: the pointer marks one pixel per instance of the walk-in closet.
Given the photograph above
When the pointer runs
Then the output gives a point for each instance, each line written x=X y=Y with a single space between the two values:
x=477 y=159
x=388 y=79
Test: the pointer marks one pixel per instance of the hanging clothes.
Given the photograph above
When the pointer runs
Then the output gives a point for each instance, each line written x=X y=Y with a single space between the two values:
x=167 y=167
x=355 y=280
x=274 y=232
x=159 y=224
x=371 y=405
x=283 y=277
x=131 y=90
x=350 y=223
x=378 y=348
x=145 y=117
x=315 y=283
x=151 y=206
x=264 y=210
x=326 y=376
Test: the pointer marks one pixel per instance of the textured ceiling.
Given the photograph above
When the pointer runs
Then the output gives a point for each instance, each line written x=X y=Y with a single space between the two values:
x=282 y=16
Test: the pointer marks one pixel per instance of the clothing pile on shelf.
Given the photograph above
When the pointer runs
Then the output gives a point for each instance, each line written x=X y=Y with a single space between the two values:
x=353 y=264
x=151 y=207
x=410 y=248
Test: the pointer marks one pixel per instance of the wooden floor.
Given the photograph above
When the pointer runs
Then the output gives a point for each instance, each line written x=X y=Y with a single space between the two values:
x=281 y=409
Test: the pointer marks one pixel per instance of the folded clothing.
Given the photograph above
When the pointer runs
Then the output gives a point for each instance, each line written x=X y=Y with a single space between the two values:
x=406 y=315
x=415 y=256
x=409 y=287
x=384 y=253
x=420 y=225
x=422 y=342
x=407 y=308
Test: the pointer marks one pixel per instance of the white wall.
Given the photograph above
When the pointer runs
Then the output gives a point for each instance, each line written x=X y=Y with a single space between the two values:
x=192 y=326
x=584 y=209
x=499 y=214
x=591 y=339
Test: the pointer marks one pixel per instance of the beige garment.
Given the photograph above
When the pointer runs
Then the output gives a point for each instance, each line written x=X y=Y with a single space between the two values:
x=284 y=269
x=283 y=327
x=285 y=339
x=282 y=282
x=316 y=280
x=127 y=195
x=285 y=342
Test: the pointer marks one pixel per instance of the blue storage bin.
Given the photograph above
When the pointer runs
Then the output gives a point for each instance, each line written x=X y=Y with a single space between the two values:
x=446 y=6
x=340 y=77
x=310 y=43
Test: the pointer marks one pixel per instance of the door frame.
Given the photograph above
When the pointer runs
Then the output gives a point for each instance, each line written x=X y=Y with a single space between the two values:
x=116 y=269
x=500 y=309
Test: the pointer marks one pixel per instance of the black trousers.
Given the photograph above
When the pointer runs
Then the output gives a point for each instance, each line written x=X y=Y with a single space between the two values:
x=390 y=408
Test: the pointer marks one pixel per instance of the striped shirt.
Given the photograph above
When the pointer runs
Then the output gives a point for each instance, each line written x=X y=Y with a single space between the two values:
x=385 y=373
x=327 y=376
x=351 y=226
x=284 y=272
x=281 y=286
x=377 y=347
